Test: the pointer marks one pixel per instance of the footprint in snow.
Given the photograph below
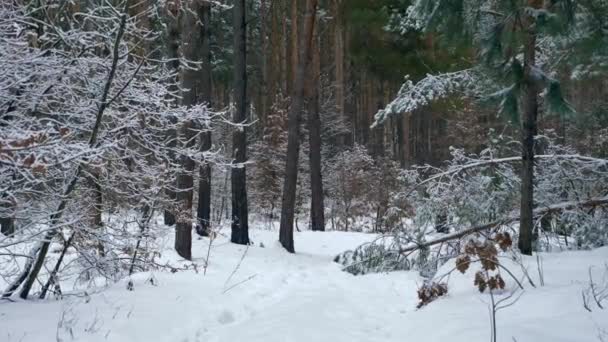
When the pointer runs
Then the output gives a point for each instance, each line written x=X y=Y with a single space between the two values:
x=226 y=317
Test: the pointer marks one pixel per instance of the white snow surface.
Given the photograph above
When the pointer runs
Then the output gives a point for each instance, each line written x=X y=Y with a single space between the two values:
x=306 y=297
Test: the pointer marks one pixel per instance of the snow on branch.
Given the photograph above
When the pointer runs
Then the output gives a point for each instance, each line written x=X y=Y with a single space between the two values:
x=412 y=95
x=591 y=203
x=477 y=192
x=488 y=162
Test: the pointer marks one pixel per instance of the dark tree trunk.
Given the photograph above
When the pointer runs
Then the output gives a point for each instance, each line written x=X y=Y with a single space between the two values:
x=98 y=208
x=240 y=223
x=183 y=226
x=293 y=140
x=7 y=226
x=529 y=131
x=173 y=52
x=204 y=185
x=7 y=220
x=185 y=182
x=317 y=207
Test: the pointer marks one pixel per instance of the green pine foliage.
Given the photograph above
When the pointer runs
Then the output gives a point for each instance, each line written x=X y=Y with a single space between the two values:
x=566 y=32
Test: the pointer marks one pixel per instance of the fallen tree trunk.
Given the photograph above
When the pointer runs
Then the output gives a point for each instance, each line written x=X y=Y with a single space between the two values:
x=602 y=201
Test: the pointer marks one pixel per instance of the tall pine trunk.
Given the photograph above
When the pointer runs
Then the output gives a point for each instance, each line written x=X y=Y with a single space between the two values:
x=339 y=57
x=204 y=185
x=294 y=45
x=529 y=131
x=240 y=223
x=293 y=139
x=173 y=33
x=185 y=181
x=317 y=207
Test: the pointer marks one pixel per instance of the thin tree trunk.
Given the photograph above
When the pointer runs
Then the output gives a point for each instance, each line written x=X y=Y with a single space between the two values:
x=174 y=32
x=317 y=207
x=276 y=48
x=240 y=219
x=294 y=44
x=204 y=185
x=529 y=131
x=264 y=61
x=339 y=57
x=220 y=213
x=185 y=183
x=7 y=220
x=53 y=276
x=406 y=141
x=98 y=209
x=293 y=140
x=286 y=86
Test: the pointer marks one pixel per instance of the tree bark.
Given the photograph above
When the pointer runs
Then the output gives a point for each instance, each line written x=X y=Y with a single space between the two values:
x=204 y=185
x=98 y=210
x=185 y=182
x=240 y=219
x=7 y=221
x=294 y=44
x=293 y=139
x=317 y=207
x=174 y=32
x=339 y=57
x=264 y=62
x=529 y=131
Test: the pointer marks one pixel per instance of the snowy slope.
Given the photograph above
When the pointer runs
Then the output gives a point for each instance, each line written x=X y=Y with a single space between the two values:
x=274 y=297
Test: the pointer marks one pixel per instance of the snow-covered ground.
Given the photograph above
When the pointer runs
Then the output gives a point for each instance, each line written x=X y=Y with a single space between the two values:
x=273 y=296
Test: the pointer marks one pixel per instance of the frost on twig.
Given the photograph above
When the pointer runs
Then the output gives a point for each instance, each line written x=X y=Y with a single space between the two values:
x=477 y=195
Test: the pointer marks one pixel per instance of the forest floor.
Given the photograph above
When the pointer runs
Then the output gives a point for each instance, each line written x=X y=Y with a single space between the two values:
x=265 y=294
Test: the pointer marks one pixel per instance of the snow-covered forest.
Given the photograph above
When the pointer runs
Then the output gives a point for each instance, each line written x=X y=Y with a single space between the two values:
x=304 y=170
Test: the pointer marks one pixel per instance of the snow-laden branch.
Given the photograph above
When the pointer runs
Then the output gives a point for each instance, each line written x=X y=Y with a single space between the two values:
x=82 y=114
x=412 y=95
x=560 y=207
x=489 y=162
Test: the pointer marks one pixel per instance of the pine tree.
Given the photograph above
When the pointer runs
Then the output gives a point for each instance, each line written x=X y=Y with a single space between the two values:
x=240 y=213
x=190 y=89
x=507 y=36
x=293 y=140
x=204 y=185
x=317 y=206
x=173 y=31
